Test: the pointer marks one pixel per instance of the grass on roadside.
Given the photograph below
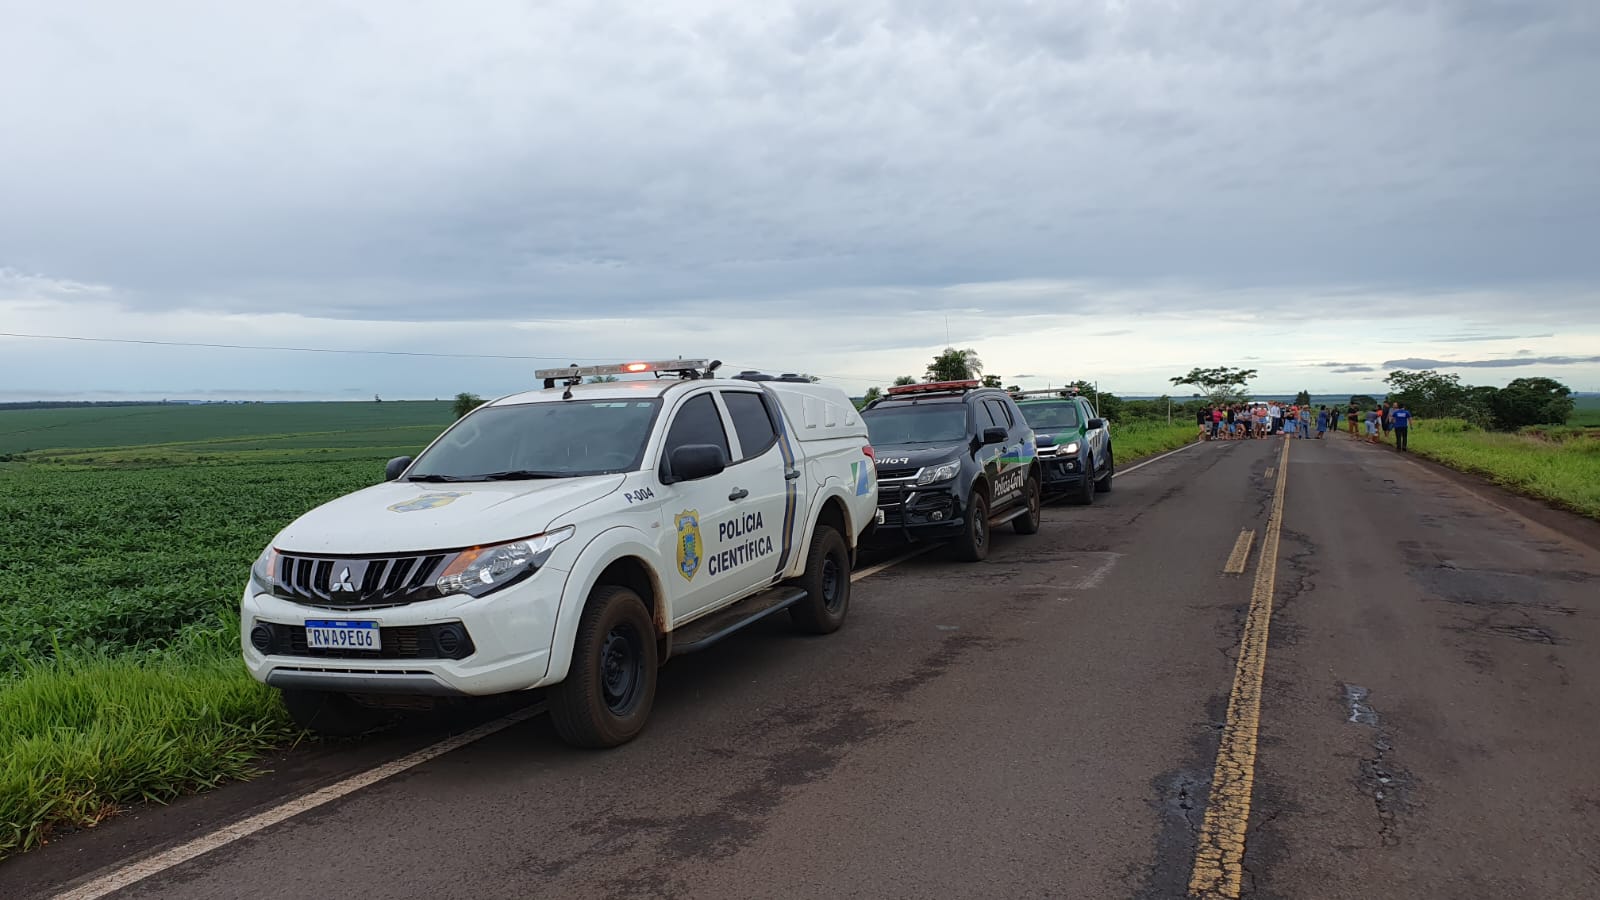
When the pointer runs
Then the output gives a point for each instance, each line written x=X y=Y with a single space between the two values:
x=1564 y=472
x=1137 y=440
x=85 y=735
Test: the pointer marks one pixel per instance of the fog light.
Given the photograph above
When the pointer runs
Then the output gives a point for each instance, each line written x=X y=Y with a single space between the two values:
x=938 y=515
x=449 y=639
x=261 y=637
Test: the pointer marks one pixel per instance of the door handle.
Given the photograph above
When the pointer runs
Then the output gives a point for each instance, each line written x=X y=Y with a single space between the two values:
x=791 y=475
x=738 y=494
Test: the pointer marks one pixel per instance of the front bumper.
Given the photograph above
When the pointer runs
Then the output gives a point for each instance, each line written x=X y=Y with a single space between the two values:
x=1061 y=473
x=911 y=514
x=506 y=647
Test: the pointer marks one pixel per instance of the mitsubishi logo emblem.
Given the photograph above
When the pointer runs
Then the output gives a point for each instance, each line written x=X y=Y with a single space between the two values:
x=343 y=584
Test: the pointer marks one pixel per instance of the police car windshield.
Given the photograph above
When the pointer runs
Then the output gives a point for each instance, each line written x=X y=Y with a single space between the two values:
x=897 y=422
x=559 y=439
x=1050 y=414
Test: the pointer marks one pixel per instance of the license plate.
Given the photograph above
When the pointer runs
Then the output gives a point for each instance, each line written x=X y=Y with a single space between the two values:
x=342 y=635
x=880 y=517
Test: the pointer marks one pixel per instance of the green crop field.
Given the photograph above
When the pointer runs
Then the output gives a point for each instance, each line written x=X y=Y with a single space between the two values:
x=1585 y=411
x=318 y=424
x=120 y=567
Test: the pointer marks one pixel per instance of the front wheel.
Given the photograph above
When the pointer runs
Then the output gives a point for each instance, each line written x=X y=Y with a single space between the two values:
x=1104 y=484
x=1028 y=522
x=827 y=584
x=1083 y=495
x=611 y=685
x=973 y=544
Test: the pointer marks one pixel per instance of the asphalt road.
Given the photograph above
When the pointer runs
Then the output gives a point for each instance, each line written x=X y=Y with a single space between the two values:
x=1044 y=724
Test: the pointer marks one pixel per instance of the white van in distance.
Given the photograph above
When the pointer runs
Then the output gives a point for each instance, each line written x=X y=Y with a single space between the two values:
x=570 y=538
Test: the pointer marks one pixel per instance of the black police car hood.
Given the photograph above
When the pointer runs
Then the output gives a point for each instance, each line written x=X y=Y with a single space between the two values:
x=915 y=456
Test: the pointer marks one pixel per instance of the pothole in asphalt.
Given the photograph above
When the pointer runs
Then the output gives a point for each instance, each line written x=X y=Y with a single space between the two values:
x=1361 y=712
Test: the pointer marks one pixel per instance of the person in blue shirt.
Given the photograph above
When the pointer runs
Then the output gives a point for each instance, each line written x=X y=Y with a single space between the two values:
x=1322 y=420
x=1400 y=424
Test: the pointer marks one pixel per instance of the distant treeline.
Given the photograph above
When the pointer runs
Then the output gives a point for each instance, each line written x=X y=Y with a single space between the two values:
x=74 y=404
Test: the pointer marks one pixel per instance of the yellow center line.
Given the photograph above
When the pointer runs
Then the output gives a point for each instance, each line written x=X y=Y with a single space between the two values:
x=1219 y=853
x=1241 y=553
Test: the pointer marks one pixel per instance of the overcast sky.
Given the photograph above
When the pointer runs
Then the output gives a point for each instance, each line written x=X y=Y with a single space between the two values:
x=1322 y=190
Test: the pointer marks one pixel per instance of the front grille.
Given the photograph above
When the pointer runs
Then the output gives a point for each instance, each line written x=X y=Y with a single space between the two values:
x=884 y=473
x=398 y=642
x=357 y=583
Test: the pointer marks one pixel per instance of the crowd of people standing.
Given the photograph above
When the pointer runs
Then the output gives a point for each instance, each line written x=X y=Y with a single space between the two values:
x=1241 y=421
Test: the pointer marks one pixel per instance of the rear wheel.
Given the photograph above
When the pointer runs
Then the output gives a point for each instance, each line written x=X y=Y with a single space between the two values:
x=611 y=685
x=827 y=584
x=332 y=714
x=973 y=544
x=1028 y=522
x=1104 y=484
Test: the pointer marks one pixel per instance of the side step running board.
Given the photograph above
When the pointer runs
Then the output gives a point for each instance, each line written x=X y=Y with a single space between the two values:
x=1014 y=514
x=703 y=632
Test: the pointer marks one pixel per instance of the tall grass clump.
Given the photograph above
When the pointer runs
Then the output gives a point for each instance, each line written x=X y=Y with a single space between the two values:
x=1564 y=471
x=81 y=736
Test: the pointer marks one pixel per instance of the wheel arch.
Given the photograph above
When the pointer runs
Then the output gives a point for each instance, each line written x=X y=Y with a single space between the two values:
x=617 y=556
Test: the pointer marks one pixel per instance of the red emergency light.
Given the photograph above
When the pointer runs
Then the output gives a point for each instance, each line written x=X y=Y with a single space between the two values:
x=933 y=387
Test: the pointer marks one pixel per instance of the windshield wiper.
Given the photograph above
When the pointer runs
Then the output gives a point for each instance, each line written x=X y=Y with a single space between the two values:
x=437 y=478
x=516 y=475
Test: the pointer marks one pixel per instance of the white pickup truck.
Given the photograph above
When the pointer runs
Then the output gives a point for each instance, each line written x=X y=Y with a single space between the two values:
x=569 y=538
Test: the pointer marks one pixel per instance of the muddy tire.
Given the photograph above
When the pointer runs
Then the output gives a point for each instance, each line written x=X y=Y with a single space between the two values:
x=1104 y=484
x=333 y=715
x=1028 y=522
x=827 y=584
x=973 y=544
x=606 y=697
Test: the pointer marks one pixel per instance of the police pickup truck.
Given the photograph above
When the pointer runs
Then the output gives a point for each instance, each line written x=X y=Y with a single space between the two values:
x=570 y=538
x=1074 y=443
x=954 y=459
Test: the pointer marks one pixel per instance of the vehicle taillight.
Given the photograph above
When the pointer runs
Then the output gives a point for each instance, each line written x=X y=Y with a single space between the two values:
x=867 y=452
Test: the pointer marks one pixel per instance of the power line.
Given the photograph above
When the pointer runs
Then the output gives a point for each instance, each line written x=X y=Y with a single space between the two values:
x=99 y=340
x=411 y=353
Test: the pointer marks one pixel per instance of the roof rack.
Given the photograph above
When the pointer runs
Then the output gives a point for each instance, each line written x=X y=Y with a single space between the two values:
x=753 y=375
x=934 y=387
x=1063 y=392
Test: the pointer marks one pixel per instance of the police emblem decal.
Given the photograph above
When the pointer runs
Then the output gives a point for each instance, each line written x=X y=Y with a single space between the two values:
x=688 y=525
x=428 y=501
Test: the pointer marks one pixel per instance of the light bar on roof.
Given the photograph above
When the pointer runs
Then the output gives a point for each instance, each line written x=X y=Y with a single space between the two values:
x=632 y=368
x=932 y=387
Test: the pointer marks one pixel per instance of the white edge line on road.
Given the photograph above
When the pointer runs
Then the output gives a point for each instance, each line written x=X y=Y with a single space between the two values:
x=227 y=834
x=1137 y=466
x=138 y=871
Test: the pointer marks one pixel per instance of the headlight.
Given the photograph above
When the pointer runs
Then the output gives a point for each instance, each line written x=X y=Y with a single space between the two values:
x=264 y=571
x=483 y=570
x=942 y=472
x=1070 y=448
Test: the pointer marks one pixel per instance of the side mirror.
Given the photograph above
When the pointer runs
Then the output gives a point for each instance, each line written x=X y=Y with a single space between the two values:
x=694 y=461
x=1096 y=423
x=396 y=467
x=995 y=436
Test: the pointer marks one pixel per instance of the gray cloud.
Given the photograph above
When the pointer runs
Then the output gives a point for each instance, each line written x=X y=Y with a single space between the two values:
x=1505 y=363
x=1350 y=370
x=354 y=163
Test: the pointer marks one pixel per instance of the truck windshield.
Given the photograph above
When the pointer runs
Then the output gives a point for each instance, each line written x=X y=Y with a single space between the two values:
x=1050 y=415
x=561 y=439
x=890 y=424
